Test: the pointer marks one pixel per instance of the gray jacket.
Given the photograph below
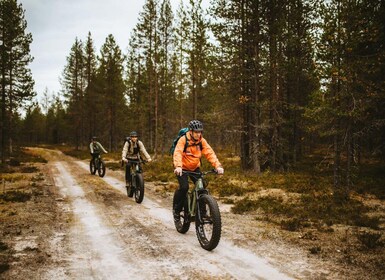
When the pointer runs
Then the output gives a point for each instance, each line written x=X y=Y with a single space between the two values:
x=96 y=147
x=138 y=145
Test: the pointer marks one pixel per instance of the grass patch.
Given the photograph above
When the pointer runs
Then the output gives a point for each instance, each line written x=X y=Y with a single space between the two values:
x=15 y=196
x=29 y=169
x=316 y=208
x=80 y=154
x=24 y=155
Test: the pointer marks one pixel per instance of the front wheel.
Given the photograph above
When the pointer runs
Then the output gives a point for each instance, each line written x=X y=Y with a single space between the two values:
x=208 y=223
x=183 y=225
x=92 y=167
x=102 y=169
x=139 y=190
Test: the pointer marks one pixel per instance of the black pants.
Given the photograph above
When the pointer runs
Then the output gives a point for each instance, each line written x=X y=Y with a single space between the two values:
x=94 y=156
x=129 y=165
x=180 y=194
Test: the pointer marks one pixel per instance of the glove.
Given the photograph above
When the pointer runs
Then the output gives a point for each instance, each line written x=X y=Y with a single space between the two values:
x=125 y=160
x=149 y=160
x=178 y=171
x=220 y=170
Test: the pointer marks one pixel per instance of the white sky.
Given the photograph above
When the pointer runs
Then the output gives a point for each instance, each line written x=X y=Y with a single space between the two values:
x=55 y=24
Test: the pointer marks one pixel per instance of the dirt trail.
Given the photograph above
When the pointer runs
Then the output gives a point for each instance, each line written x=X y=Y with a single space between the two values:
x=109 y=236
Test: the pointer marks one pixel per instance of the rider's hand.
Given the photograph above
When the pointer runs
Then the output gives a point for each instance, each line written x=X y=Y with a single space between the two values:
x=125 y=160
x=149 y=160
x=220 y=170
x=178 y=171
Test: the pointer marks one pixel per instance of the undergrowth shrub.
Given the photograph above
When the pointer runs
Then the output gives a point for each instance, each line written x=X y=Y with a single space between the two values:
x=292 y=224
x=15 y=196
x=370 y=240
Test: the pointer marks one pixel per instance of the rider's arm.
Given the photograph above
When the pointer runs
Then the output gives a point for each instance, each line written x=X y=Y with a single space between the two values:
x=91 y=148
x=209 y=153
x=125 y=150
x=178 y=152
x=102 y=148
x=143 y=150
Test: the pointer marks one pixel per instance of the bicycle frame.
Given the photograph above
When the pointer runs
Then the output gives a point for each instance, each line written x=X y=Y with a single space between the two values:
x=193 y=195
x=135 y=180
x=135 y=166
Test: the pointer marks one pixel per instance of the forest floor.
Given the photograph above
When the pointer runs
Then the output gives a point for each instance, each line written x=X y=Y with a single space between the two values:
x=59 y=222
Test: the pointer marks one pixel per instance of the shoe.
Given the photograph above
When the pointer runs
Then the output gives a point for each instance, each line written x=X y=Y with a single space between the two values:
x=176 y=216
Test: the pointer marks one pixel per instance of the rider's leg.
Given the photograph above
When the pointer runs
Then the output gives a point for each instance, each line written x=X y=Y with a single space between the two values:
x=127 y=176
x=180 y=194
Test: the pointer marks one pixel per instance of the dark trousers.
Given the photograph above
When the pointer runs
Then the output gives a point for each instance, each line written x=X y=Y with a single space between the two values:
x=180 y=195
x=95 y=155
x=129 y=165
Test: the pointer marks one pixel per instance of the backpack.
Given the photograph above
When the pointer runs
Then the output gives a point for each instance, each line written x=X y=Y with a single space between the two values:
x=181 y=133
x=128 y=139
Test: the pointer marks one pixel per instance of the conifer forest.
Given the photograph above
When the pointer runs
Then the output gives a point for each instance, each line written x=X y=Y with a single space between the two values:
x=273 y=82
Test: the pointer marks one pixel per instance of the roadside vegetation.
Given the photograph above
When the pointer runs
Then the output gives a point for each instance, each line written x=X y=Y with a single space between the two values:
x=21 y=194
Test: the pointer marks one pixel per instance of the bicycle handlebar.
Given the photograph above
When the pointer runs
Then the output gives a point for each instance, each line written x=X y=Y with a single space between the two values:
x=212 y=171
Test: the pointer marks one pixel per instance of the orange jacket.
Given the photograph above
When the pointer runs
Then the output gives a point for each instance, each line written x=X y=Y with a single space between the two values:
x=190 y=160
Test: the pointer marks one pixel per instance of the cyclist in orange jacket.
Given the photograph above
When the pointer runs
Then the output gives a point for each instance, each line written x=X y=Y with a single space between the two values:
x=189 y=159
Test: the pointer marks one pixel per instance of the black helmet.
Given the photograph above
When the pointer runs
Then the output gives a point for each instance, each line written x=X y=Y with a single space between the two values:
x=94 y=138
x=195 y=125
x=133 y=134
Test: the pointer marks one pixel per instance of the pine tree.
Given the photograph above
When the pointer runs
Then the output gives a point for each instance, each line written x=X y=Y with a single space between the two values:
x=197 y=55
x=149 y=39
x=92 y=100
x=111 y=89
x=16 y=78
x=166 y=92
x=180 y=58
x=73 y=84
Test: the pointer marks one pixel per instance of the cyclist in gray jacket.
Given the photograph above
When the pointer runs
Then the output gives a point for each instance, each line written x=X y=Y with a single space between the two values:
x=133 y=148
x=96 y=148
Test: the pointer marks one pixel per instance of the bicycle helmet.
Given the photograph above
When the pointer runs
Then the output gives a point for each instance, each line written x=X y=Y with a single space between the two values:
x=195 y=125
x=133 y=134
x=94 y=138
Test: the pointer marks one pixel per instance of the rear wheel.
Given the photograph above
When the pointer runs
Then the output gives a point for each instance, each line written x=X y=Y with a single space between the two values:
x=139 y=191
x=102 y=169
x=92 y=167
x=208 y=224
x=183 y=225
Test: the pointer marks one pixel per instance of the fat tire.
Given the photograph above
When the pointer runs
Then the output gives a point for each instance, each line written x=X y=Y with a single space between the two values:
x=209 y=242
x=183 y=225
x=139 y=192
x=102 y=169
x=130 y=191
x=92 y=167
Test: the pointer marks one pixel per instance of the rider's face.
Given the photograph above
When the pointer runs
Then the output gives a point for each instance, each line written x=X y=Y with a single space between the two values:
x=134 y=138
x=196 y=134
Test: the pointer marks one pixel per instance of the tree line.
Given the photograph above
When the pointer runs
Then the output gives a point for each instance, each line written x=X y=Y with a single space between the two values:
x=271 y=80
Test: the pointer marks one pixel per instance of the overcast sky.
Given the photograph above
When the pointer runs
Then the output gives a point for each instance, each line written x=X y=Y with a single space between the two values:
x=55 y=24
